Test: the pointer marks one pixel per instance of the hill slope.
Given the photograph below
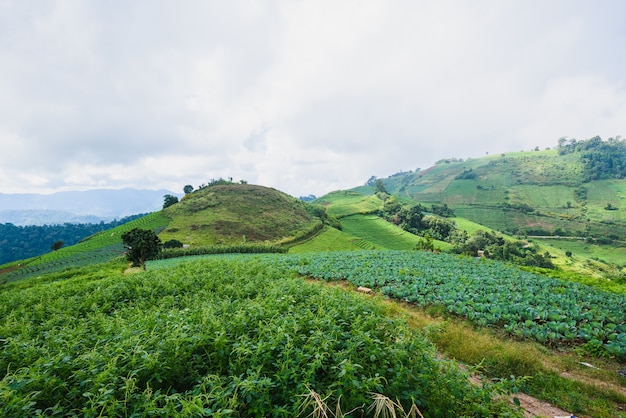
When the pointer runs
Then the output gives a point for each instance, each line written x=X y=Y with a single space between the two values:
x=235 y=213
x=534 y=193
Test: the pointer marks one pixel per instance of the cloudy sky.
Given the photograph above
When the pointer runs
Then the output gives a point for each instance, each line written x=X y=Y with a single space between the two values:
x=304 y=96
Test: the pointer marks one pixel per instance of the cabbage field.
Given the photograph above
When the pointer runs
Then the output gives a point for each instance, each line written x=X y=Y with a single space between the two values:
x=488 y=293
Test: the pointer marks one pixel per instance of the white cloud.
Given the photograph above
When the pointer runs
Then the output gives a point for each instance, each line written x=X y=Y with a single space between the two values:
x=306 y=96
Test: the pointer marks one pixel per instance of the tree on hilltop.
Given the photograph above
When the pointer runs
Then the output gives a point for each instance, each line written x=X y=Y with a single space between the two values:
x=169 y=200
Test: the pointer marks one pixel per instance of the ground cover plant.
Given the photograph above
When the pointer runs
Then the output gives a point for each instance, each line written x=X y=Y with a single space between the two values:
x=488 y=293
x=221 y=336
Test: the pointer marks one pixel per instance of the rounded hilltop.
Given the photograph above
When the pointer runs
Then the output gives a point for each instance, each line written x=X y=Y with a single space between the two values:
x=235 y=213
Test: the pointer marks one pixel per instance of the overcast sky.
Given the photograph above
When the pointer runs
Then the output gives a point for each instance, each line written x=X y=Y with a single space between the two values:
x=303 y=96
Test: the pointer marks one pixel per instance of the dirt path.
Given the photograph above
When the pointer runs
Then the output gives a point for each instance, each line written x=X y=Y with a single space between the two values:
x=533 y=407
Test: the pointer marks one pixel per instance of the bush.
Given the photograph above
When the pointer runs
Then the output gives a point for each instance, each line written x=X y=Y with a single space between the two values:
x=173 y=243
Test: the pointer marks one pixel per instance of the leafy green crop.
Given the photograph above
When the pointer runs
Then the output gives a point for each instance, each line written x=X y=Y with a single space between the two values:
x=222 y=336
x=486 y=292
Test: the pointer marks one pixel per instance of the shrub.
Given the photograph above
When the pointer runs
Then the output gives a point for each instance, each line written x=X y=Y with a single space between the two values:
x=173 y=243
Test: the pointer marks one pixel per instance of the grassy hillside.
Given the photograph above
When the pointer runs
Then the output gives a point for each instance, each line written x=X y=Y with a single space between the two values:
x=236 y=213
x=576 y=191
x=349 y=202
x=383 y=234
x=331 y=239
x=536 y=193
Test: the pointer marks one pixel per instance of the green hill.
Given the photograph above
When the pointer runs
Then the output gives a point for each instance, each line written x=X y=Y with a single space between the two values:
x=574 y=192
x=535 y=193
x=236 y=213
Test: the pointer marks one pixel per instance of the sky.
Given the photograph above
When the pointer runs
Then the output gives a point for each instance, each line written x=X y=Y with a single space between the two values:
x=303 y=96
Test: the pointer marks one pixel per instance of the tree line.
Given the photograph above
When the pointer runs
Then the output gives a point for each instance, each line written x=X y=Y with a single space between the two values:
x=602 y=159
x=432 y=223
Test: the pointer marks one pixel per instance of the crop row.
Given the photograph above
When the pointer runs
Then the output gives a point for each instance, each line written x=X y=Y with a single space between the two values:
x=69 y=259
x=486 y=292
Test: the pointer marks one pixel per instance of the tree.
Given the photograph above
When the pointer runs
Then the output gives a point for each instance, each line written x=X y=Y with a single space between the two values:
x=391 y=206
x=188 y=189
x=380 y=186
x=411 y=218
x=425 y=244
x=442 y=210
x=141 y=245
x=169 y=200
x=57 y=245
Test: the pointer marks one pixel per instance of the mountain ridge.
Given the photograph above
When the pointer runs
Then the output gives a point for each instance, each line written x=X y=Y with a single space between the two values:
x=97 y=204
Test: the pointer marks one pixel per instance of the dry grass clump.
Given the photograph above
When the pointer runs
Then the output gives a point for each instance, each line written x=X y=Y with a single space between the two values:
x=381 y=407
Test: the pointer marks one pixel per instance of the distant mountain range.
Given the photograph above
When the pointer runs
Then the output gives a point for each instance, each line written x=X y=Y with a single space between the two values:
x=91 y=206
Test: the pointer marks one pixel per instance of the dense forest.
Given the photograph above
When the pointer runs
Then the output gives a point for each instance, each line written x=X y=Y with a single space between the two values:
x=20 y=242
x=602 y=159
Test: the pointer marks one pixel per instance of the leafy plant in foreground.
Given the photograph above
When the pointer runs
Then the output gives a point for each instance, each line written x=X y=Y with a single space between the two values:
x=226 y=336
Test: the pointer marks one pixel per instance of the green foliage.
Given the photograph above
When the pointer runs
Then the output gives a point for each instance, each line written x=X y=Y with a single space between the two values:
x=580 y=193
x=438 y=228
x=57 y=245
x=188 y=189
x=442 y=210
x=425 y=244
x=391 y=206
x=218 y=182
x=468 y=174
x=173 y=243
x=319 y=212
x=141 y=245
x=602 y=159
x=410 y=219
x=380 y=186
x=248 y=248
x=227 y=336
x=497 y=247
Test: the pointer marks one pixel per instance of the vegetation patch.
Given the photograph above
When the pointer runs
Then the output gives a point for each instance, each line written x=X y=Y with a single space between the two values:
x=216 y=337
